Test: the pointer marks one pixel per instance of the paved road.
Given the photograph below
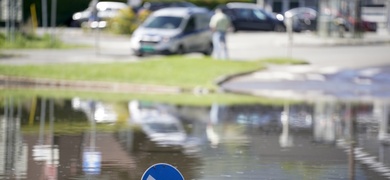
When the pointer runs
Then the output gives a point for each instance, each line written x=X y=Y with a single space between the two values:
x=343 y=69
x=242 y=45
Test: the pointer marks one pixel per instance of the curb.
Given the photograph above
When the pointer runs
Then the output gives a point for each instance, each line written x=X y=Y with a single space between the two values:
x=219 y=81
x=27 y=82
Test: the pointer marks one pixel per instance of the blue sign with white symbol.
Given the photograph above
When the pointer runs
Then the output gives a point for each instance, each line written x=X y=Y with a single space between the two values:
x=162 y=171
x=92 y=162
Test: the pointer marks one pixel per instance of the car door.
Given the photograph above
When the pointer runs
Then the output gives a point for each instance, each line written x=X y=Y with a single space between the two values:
x=261 y=21
x=190 y=35
x=243 y=18
x=203 y=32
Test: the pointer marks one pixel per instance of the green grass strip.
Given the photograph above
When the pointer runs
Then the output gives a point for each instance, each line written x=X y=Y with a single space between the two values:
x=181 y=71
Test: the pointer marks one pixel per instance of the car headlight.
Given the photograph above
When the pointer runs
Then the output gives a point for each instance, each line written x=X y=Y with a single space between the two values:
x=166 y=39
x=280 y=17
x=76 y=16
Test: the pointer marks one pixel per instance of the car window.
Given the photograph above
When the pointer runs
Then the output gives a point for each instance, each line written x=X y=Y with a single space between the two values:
x=163 y=22
x=190 y=24
x=260 y=15
x=153 y=6
x=244 y=13
x=202 y=21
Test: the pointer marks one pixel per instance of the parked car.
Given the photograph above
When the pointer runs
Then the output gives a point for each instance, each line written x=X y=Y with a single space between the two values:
x=347 y=23
x=105 y=11
x=303 y=19
x=156 y=5
x=176 y=30
x=159 y=125
x=248 y=16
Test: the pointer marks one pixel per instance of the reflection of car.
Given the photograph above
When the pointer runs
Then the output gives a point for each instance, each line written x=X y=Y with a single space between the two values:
x=164 y=129
x=303 y=19
x=248 y=16
x=159 y=126
x=106 y=10
x=254 y=119
x=96 y=111
x=105 y=113
x=174 y=30
x=297 y=120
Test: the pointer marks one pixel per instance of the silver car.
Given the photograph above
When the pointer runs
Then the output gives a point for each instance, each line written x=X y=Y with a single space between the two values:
x=175 y=30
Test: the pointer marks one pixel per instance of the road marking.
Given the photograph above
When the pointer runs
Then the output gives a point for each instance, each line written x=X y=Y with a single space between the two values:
x=150 y=178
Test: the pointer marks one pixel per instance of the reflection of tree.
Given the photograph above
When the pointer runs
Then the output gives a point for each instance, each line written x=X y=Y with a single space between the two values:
x=13 y=152
x=68 y=120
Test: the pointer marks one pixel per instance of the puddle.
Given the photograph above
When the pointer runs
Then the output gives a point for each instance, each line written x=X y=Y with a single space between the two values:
x=79 y=138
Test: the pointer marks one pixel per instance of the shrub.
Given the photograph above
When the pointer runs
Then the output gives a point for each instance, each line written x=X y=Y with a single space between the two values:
x=30 y=41
x=124 y=23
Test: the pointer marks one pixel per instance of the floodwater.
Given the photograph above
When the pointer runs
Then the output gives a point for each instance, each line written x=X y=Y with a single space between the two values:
x=88 y=139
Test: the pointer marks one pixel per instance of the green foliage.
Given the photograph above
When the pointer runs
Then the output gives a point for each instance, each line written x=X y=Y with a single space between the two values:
x=186 y=72
x=124 y=23
x=22 y=41
x=2 y=39
x=177 y=99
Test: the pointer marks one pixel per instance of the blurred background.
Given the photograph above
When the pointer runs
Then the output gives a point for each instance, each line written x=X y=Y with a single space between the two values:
x=327 y=17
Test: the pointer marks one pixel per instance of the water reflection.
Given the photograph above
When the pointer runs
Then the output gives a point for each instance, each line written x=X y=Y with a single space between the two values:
x=88 y=139
x=158 y=124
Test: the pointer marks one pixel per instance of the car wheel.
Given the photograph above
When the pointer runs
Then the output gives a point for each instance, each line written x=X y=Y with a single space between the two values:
x=180 y=50
x=209 y=50
x=139 y=54
x=279 y=28
x=341 y=29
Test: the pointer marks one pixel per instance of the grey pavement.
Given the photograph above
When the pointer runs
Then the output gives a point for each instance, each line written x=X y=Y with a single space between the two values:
x=242 y=46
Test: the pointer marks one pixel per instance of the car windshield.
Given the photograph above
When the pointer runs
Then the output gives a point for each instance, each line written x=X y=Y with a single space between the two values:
x=163 y=127
x=269 y=14
x=153 y=6
x=163 y=22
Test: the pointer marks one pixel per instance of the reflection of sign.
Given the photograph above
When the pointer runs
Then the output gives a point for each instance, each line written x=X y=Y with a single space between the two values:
x=92 y=162
x=162 y=171
x=46 y=153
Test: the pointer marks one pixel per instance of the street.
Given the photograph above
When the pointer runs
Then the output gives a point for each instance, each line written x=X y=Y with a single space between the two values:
x=324 y=52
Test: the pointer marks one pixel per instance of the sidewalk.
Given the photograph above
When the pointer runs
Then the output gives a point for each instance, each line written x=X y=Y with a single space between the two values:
x=242 y=46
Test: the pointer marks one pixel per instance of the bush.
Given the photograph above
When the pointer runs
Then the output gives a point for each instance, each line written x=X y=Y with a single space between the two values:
x=124 y=23
x=30 y=41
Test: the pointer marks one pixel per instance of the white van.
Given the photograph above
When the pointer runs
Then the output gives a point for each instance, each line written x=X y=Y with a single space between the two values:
x=174 y=30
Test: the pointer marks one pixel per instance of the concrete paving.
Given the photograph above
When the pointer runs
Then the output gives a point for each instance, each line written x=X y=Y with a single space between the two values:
x=338 y=67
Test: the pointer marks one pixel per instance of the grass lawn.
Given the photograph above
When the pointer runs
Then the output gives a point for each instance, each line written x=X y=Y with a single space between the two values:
x=181 y=71
x=34 y=42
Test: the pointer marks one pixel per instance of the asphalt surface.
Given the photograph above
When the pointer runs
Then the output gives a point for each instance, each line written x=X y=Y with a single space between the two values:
x=334 y=62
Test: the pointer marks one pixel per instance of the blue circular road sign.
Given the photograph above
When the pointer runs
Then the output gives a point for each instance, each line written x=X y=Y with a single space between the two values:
x=162 y=171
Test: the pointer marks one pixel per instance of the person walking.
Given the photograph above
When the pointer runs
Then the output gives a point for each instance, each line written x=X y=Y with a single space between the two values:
x=219 y=25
